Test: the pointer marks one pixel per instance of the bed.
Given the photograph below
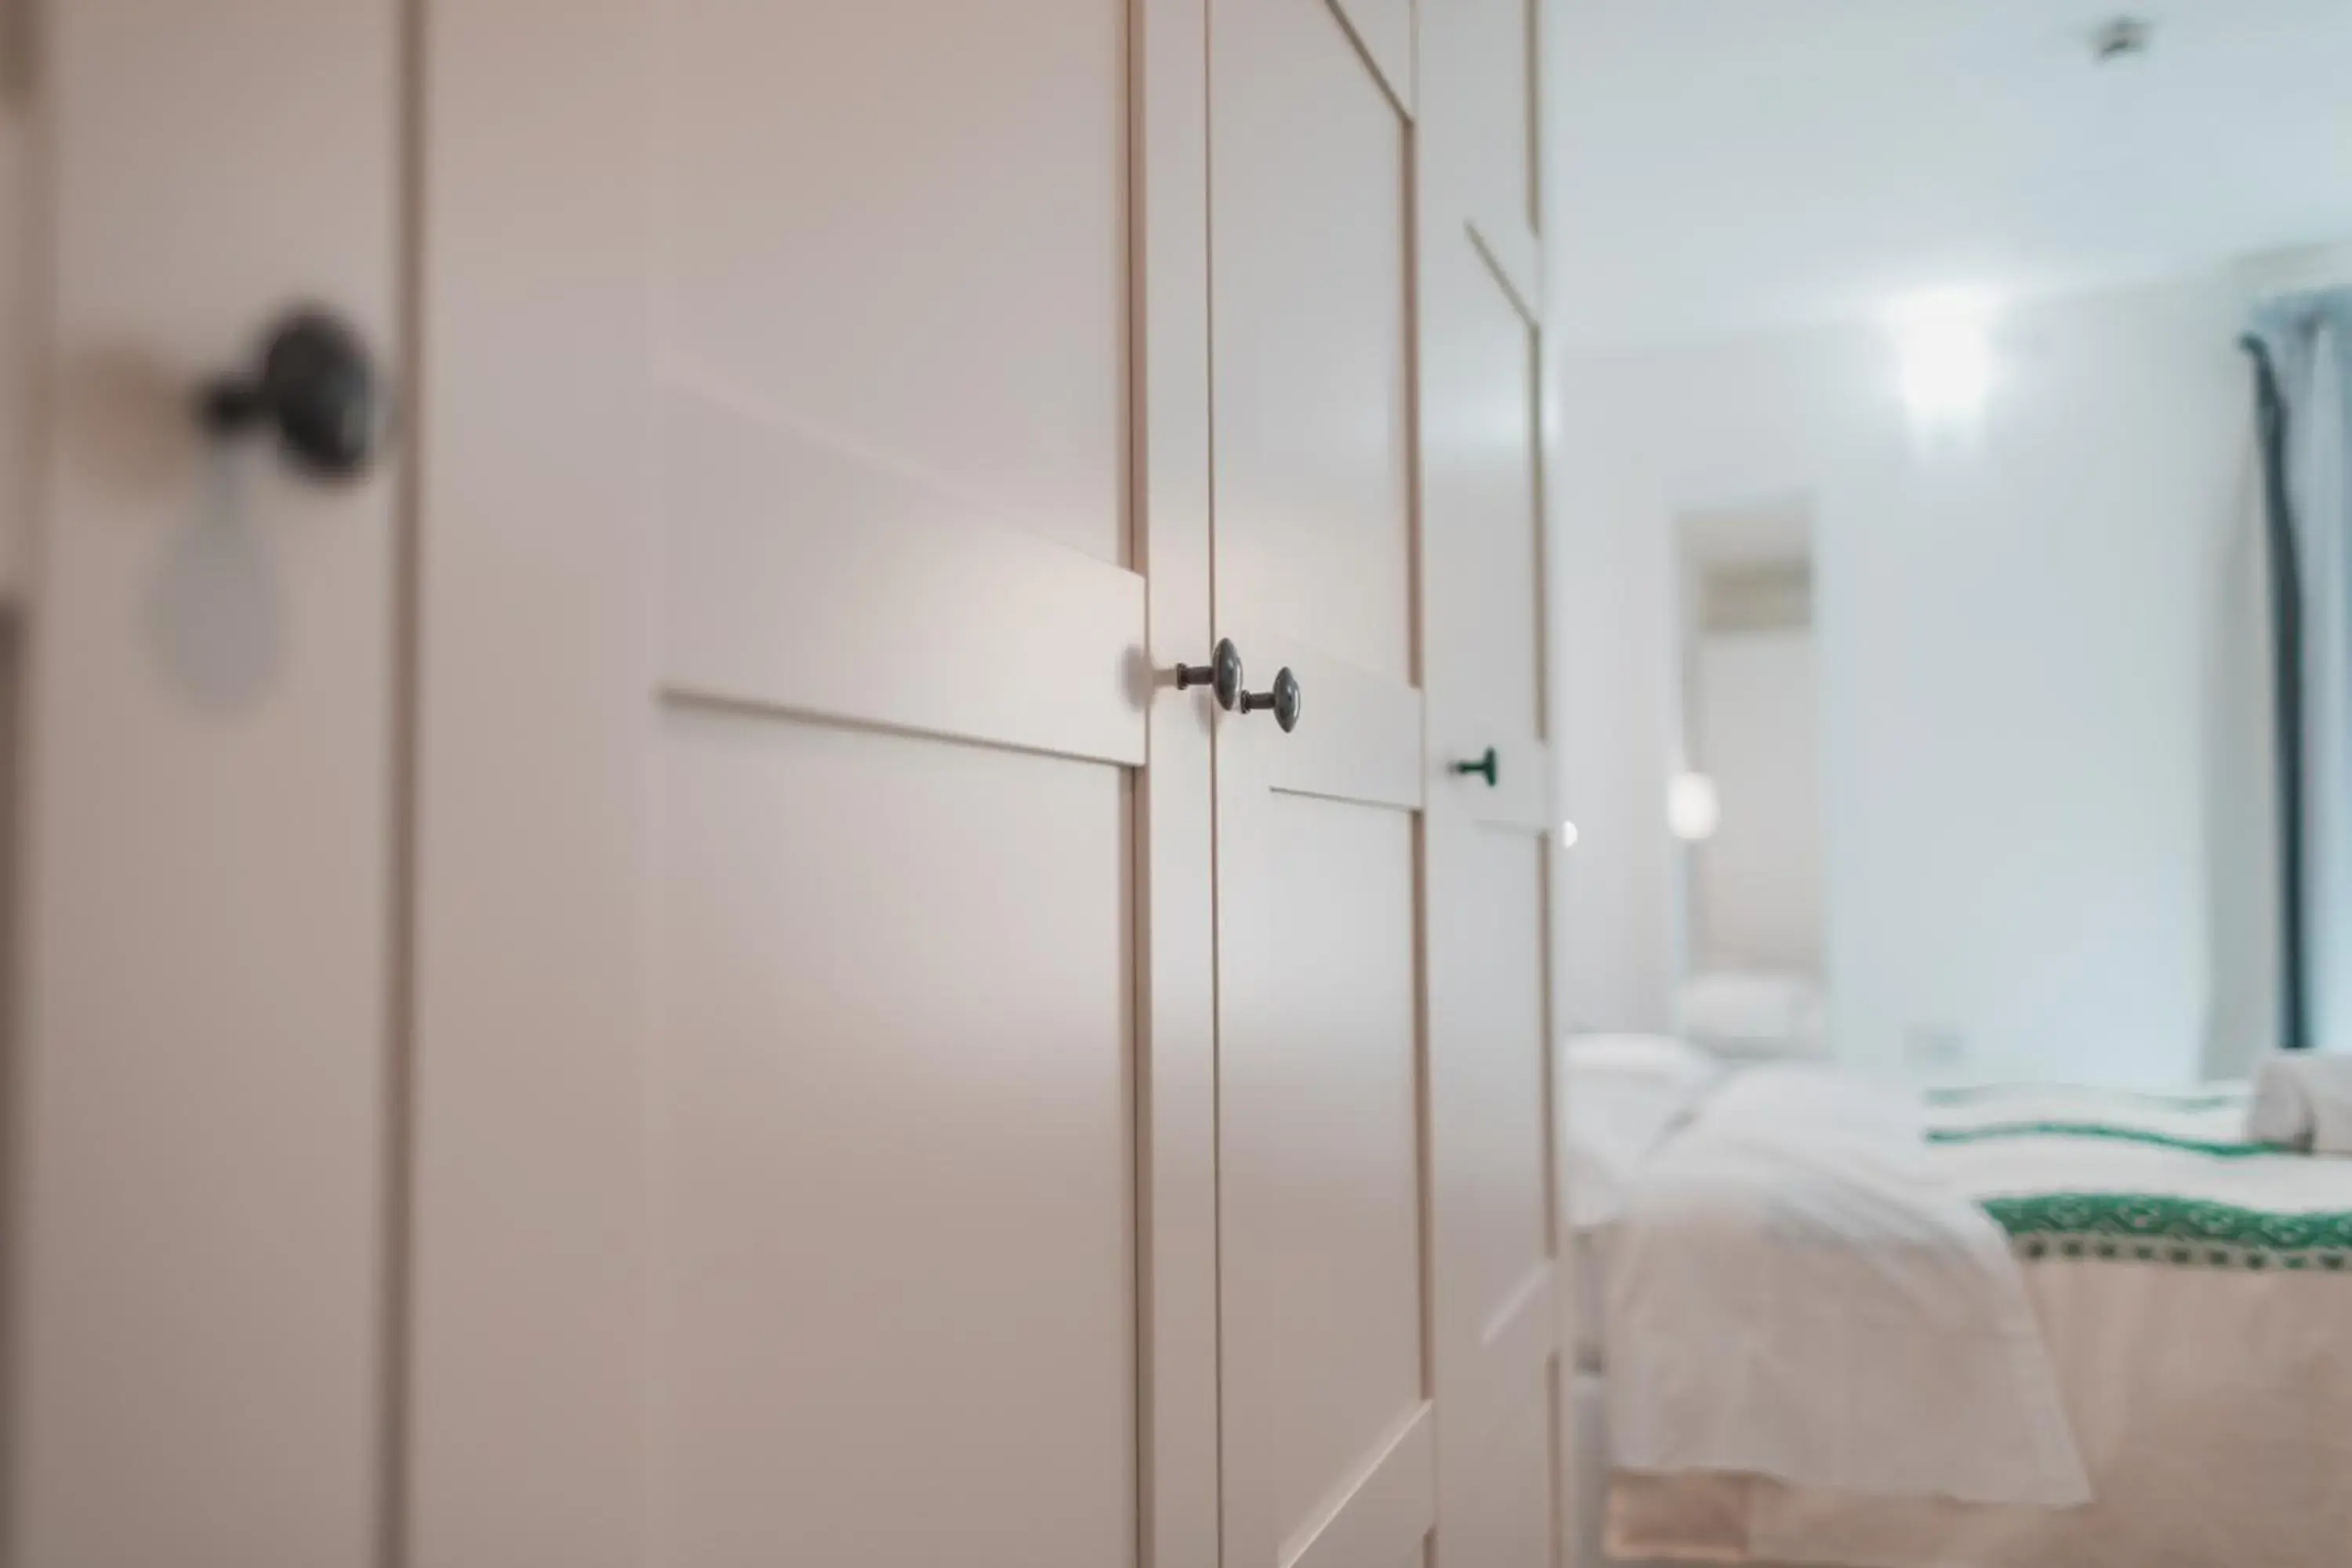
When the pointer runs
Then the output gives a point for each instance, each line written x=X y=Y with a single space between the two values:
x=2010 y=1327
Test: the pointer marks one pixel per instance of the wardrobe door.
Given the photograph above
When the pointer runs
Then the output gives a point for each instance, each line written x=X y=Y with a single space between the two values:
x=808 y=827
x=1495 y=1292
x=204 y=899
x=1327 y=1438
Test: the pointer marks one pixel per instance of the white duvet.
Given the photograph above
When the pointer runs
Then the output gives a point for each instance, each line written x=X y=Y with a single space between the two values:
x=2193 y=1290
x=1796 y=1290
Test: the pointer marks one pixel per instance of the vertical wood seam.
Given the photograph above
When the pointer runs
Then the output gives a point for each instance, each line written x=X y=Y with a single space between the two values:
x=397 y=1163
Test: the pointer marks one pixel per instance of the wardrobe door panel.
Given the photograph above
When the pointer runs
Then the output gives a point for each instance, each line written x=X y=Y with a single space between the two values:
x=205 y=897
x=813 y=1027
x=1329 y=1441
x=1498 y=1305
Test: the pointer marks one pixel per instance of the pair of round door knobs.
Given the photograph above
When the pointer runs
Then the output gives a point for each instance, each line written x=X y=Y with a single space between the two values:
x=1223 y=676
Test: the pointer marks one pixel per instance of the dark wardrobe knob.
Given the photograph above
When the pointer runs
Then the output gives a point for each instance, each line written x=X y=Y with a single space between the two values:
x=316 y=387
x=1223 y=674
x=1284 y=699
x=1490 y=765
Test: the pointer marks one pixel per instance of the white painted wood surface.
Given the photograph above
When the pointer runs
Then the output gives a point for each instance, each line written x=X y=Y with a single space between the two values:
x=1329 y=1451
x=1572 y=1460
x=1176 y=1082
x=1496 y=1300
x=1489 y=48
x=1390 y=1500
x=807 y=849
x=894 y=1280
x=1313 y=356
x=1382 y=29
x=198 y=1108
x=831 y=1098
x=1361 y=737
x=529 y=1367
x=804 y=580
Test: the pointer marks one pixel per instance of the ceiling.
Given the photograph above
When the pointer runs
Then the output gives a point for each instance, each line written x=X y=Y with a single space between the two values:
x=1727 y=166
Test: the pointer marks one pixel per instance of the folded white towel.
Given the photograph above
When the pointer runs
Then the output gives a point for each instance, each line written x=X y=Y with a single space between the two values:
x=2303 y=1100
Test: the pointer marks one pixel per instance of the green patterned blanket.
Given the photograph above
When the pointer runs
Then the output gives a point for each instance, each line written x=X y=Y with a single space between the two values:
x=2084 y=1175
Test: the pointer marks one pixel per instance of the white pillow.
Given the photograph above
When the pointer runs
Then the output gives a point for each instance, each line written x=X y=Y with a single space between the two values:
x=1751 y=1013
x=1626 y=1095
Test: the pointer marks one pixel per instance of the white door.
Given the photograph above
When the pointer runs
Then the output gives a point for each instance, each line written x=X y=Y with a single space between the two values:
x=205 y=902
x=807 y=967
x=1329 y=1441
x=1496 y=1296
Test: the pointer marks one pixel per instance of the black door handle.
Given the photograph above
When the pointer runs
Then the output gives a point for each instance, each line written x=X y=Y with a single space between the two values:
x=1284 y=699
x=1223 y=674
x=316 y=386
x=1489 y=765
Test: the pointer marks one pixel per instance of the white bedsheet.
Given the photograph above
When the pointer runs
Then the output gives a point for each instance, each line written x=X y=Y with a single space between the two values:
x=1798 y=1291
x=1628 y=1094
x=2194 y=1291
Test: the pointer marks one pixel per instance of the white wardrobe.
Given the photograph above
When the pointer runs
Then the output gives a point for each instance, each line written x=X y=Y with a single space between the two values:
x=671 y=975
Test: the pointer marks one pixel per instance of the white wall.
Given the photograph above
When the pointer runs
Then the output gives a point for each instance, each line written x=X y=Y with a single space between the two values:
x=2017 y=632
